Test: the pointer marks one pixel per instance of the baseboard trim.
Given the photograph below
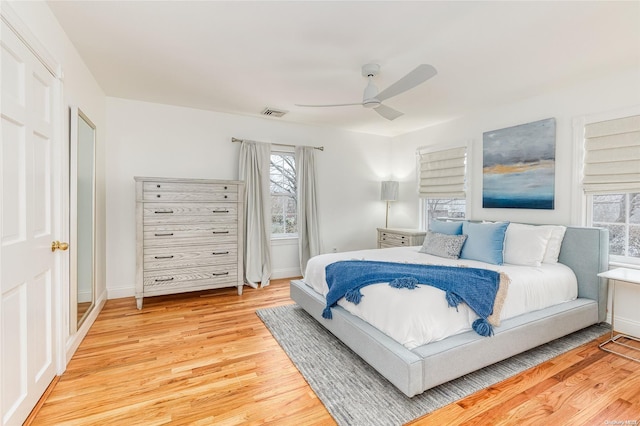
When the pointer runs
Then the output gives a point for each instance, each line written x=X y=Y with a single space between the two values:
x=285 y=273
x=627 y=326
x=120 y=292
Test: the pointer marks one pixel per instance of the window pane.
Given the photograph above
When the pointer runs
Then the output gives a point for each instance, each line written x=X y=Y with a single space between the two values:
x=283 y=174
x=634 y=240
x=277 y=219
x=609 y=208
x=443 y=209
x=449 y=208
x=634 y=208
x=283 y=194
x=616 y=238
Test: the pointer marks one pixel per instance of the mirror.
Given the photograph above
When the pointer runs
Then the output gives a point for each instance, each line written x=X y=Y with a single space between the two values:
x=82 y=214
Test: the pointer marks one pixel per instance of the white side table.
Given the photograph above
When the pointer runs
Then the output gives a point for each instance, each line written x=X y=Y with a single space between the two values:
x=631 y=276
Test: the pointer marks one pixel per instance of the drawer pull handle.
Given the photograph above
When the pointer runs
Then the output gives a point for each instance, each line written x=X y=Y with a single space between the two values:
x=225 y=187
x=220 y=273
x=163 y=211
x=217 y=253
x=157 y=186
x=158 y=196
x=164 y=235
x=220 y=232
x=226 y=196
x=163 y=280
x=219 y=211
x=163 y=257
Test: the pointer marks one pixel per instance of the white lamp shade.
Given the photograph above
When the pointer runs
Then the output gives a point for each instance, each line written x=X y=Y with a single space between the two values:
x=389 y=191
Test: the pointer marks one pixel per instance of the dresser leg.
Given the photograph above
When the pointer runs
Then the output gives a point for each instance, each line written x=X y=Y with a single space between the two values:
x=139 y=302
x=240 y=290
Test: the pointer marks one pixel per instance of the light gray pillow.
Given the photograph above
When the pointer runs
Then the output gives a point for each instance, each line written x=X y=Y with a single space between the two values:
x=443 y=245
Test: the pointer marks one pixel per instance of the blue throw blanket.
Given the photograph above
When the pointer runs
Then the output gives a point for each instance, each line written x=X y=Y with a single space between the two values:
x=476 y=287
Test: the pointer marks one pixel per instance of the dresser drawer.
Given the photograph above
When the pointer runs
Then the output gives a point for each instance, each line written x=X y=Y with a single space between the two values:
x=160 y=213
x=180 y=191
x=162 y=258
x=394 y=239
x=399 y=237
x=191 y=230
x=188 y=277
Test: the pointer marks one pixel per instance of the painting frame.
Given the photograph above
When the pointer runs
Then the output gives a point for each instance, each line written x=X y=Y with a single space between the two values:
x=518 y=166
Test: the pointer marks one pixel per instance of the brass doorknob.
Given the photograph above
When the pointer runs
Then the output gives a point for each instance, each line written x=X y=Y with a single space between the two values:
x=57 y=245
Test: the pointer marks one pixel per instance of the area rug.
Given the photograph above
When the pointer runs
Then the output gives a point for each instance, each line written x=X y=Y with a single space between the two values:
x=355 y=394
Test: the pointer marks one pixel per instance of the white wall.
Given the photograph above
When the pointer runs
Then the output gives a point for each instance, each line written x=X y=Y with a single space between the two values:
x=81 y=89
x=147 y=139
x=618 y=90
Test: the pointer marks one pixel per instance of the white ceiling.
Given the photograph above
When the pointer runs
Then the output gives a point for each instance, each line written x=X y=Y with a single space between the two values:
x=240 y=57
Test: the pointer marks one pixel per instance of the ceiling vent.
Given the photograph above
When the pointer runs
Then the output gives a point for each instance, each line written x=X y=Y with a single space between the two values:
x=272 y=112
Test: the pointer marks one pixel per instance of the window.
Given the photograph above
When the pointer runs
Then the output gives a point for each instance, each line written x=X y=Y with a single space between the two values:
x=453 y=208
x=611 y=182
x=620 y=214
x=441 y=182
x=284 y=218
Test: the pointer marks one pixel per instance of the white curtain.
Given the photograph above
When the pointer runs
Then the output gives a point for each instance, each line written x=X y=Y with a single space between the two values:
x=255 y=161
x=308 y=230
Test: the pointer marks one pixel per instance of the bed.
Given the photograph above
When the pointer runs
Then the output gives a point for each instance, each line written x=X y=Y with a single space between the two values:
x=415 y=364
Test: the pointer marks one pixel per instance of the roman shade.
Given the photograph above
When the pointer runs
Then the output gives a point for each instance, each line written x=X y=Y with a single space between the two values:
x=442 y=173
x=612 y=156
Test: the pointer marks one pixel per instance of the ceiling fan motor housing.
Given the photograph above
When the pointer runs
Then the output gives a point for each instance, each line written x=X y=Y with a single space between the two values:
x=371 y=91
x=369 y=99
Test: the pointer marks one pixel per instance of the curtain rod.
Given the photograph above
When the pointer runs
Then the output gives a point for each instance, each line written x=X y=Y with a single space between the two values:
x=321 y=148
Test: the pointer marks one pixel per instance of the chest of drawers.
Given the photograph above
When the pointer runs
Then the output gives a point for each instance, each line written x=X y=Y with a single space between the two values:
x=388 y=237
x=188 y=235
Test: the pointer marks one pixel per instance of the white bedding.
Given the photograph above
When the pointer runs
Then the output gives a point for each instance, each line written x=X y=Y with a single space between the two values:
x=419 y=316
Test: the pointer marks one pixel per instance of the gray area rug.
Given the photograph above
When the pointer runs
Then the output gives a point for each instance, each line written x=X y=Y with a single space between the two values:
x=355 y=394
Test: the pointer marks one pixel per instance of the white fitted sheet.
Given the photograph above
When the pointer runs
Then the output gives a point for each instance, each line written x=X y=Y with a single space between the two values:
x=419 y=316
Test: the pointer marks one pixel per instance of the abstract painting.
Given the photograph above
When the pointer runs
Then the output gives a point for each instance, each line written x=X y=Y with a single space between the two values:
x=518 y=169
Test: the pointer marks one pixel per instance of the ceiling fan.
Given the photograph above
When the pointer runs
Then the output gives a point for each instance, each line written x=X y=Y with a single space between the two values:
x=372 y=99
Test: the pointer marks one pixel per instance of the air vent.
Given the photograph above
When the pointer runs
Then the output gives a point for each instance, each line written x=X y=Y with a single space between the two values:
x=272 y=112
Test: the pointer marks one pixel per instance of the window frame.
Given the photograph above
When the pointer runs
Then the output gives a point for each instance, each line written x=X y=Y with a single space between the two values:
x=281 y=236
x=423 y=216
x=582 y=204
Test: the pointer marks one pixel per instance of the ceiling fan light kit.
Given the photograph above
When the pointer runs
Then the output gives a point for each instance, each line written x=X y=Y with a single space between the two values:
x=371 y=98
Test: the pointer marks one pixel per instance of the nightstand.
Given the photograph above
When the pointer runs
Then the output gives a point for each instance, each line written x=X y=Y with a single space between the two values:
x=631 y=276
x=398 y=237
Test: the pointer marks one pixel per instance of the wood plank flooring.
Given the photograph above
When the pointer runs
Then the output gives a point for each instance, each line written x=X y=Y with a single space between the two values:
x=205 y=358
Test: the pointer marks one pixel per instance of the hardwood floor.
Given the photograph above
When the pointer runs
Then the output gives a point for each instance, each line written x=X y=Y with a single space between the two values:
x=206 y=358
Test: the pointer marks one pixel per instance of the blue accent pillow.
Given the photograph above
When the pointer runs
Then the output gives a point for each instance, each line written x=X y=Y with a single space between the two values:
x=448 y=228
x=485 y=242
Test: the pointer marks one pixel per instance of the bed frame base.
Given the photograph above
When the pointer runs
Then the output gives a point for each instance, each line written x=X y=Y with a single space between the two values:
x=584 y=250
x=414 y=371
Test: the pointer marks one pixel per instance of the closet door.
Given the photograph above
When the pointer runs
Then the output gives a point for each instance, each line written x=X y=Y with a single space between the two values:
x=29 y=275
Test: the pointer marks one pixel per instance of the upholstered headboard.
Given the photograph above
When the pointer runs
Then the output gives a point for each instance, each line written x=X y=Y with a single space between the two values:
x=586 y=252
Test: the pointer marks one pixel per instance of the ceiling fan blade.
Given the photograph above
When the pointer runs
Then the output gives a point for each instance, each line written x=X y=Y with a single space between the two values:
x=419 y=75
x=388 y=112
x=333 y=105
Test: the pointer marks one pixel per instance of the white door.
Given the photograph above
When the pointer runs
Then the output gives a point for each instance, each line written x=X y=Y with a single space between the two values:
x=27 y=264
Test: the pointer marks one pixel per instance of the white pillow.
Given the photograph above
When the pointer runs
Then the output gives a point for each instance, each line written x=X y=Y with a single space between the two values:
x=554 y=244
x=525 y=244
